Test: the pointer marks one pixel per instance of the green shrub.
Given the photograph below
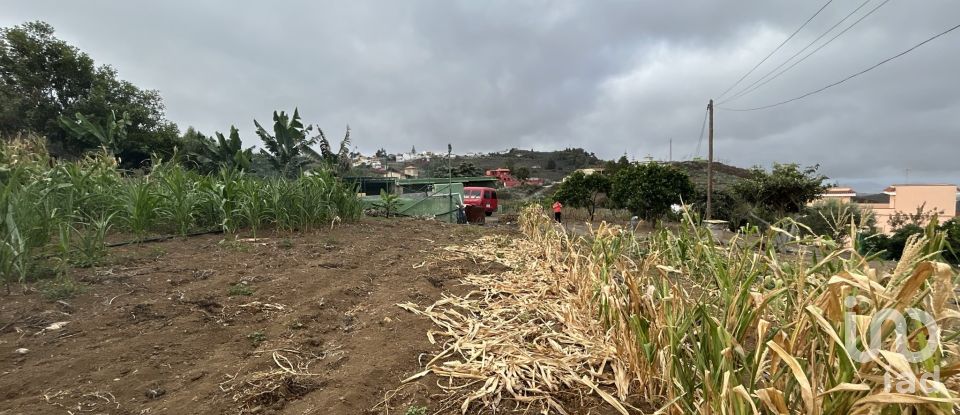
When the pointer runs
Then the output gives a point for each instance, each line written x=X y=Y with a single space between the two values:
x=833 y=218
x=952 y=230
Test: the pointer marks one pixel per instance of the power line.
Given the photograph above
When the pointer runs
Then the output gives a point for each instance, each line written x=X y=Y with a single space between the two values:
x=775 y=50
x=849 y=77
x=702 y=127
x=745 y=92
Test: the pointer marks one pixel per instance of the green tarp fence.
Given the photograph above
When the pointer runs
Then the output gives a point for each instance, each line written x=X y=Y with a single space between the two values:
x=440 y=203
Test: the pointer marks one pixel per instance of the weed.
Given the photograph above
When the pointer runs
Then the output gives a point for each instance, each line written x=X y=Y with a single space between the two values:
x=257 y=337
x=60 y=289
x=240 y=289
x=234 y=245
x=285 y=243
x=416 y=410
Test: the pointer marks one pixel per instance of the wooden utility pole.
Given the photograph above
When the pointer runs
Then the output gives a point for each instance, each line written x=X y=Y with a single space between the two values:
x=450 y=182
x=709 y=214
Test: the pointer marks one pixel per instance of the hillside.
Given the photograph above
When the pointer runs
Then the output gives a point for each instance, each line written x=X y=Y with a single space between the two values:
x=563 y=162
x=723 y=175
x=550 y=165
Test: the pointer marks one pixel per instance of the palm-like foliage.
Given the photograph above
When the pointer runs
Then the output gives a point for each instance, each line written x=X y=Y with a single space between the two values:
x=110 y=135
x=288 y=147
x=340 y=160
x=228 y=152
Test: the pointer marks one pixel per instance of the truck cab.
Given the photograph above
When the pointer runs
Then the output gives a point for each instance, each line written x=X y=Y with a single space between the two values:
x=484 y=197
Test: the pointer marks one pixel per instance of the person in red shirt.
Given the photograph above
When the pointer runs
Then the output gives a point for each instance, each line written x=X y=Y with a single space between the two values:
x=557 y=208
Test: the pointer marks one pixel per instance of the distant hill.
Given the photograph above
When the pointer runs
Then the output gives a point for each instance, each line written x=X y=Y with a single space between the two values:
x=550 y=165
x=565 y=162
x=723 y=175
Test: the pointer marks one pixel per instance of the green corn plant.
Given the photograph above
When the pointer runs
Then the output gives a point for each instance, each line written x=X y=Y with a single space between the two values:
x=252 y=208
x=282 y=201
x=140 y=202
x=90 y=239
x=179 y=196
x=12 y=247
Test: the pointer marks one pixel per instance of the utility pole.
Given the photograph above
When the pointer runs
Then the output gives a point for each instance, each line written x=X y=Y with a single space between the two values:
x=670 y=157
x=450 y=181
x=709 y=214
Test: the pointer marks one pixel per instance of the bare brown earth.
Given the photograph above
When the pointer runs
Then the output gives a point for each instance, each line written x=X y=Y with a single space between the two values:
x=288 y=324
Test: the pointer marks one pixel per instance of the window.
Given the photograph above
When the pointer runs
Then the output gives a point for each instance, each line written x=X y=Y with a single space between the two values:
x=486 y=194
x=494 y=195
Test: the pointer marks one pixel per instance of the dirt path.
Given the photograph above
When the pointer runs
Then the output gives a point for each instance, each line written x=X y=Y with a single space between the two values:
x=185 y=326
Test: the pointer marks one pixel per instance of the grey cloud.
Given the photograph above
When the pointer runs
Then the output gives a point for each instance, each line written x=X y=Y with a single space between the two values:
x=609 y=76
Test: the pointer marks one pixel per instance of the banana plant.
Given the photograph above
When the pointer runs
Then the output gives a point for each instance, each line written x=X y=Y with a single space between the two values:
x=228 y=152
x=288 y=148
x=111 y=135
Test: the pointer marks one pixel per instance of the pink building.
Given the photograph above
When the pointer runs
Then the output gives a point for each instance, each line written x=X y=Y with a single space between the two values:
x=907 y=198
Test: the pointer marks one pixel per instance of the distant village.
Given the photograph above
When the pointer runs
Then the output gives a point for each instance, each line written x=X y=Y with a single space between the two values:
x=410 y=165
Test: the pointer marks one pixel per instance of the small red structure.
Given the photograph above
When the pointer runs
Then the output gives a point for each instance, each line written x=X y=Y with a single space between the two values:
x=504 y=176
x=508 y=180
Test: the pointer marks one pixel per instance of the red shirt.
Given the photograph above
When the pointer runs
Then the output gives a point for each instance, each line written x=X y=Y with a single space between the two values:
x=557 y=206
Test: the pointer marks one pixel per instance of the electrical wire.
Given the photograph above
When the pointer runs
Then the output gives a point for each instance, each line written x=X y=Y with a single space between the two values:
x=745 y=92
x=775 y=50
x=702 y=128
x=848 y=77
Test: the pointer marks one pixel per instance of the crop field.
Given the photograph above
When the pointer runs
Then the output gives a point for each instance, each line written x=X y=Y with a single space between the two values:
x=171 y=291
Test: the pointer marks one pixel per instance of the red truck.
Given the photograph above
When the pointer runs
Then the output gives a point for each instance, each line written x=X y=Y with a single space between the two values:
x=484 y=197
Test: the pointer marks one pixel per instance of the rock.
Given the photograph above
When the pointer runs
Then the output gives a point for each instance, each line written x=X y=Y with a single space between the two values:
x=22 y=350
x=154 y=393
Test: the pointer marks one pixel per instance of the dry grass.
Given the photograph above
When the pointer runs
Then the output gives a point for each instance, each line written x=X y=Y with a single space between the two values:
x=288 y=379
x=680 y=322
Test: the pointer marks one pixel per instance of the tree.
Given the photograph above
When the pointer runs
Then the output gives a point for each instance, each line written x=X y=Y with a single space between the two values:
x=511 y=165
x=921 y=217
x=465 y=169
x=584 y=191
x=381 y=153
x=522 y=174
x=612 y=167
x=551 y=164
x=648 y=190
x=786 y=189
x=288 y=149
x=413 y=150
x=43 y=78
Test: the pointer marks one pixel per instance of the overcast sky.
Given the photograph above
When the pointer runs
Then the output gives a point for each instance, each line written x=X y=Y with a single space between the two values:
x=612 y=77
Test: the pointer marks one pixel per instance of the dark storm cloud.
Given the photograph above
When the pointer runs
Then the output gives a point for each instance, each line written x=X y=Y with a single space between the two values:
x=609 y=76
